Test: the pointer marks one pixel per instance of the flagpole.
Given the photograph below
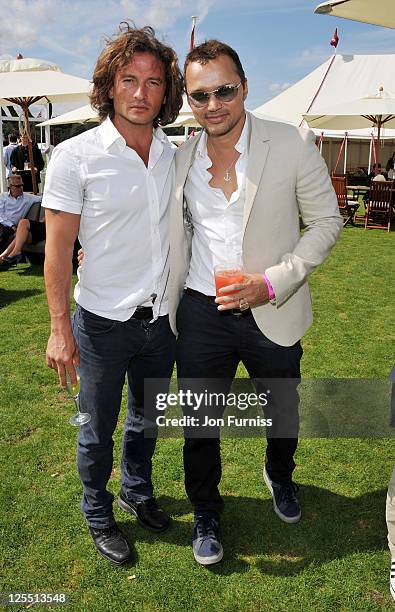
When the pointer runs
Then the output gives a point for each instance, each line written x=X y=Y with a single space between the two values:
x=192 y=40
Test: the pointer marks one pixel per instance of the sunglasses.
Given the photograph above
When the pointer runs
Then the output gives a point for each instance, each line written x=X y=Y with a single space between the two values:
x=224 y=93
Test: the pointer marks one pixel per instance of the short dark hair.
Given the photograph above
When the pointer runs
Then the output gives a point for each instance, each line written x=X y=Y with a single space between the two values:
x=118 y=52
x=210 y=50
x=11 y=177
x=12 y=137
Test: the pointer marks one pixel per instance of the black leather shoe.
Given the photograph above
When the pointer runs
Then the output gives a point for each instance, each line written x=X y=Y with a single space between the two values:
x=147 y=512
x=112 y=544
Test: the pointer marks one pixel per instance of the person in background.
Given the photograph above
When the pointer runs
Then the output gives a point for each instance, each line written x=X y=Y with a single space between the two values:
x=12 y=144
x=390 y=505
x=390 y=167
x=27 y=232
x=14 y=205
x=20 y=160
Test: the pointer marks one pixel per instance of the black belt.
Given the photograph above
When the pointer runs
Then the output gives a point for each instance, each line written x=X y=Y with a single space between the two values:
x=143 y=312
x=211 y=298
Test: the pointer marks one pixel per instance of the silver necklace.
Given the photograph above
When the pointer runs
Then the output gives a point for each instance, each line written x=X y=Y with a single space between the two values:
x=227 y=176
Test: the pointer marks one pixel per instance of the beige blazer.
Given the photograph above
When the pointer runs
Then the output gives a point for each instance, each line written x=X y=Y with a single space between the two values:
x=286 y=175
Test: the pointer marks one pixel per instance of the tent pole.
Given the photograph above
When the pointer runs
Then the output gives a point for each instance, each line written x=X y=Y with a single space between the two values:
x=370 y=154
x=378 y=139
x=25 y=108
x=345 y=151
x=3 y=186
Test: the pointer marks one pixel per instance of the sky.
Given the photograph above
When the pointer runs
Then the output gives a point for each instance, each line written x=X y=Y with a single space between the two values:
x=278 y=41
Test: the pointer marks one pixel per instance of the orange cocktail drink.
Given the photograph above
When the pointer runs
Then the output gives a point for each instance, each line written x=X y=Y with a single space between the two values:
x=227 y=274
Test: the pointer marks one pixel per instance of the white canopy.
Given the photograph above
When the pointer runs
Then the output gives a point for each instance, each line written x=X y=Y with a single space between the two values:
x=379 y=12
x=26 y=81
x=83 y=114
x=31 y=78
x=342 y=78
x=376 y=109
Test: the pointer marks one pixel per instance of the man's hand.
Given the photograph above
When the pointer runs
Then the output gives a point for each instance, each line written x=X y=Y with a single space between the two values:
x=62 y=354
x=80 y=257
x=253 y=290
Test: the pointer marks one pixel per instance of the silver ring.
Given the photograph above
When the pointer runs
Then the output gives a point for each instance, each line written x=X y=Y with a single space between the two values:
x=243 y=304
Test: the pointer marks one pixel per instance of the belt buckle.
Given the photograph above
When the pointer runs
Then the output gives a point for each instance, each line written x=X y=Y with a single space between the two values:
x=236 y=313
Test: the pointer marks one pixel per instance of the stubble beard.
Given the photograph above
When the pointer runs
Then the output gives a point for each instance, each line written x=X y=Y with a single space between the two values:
x=218 y=131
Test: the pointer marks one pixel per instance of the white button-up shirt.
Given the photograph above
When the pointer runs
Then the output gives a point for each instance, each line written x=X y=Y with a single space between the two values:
x=124 y=227
x=217 y=223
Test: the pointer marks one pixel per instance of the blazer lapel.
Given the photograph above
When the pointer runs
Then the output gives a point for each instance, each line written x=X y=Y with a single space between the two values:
x=258 y=152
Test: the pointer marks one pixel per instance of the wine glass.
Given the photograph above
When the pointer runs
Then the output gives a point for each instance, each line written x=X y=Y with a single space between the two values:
x=79 y=418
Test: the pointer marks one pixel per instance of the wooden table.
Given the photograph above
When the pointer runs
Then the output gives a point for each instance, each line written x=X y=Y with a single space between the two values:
x=358 y=190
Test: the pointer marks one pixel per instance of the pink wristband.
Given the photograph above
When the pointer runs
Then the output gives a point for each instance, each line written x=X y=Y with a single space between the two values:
x=272 y=295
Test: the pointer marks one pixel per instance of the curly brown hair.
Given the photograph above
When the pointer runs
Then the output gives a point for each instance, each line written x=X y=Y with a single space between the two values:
x=210 y=50
x=118 y=52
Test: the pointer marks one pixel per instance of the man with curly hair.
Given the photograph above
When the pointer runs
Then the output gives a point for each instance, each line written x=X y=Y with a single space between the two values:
x=111 y=186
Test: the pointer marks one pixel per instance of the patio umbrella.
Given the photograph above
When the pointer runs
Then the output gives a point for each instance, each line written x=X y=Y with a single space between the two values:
x=26 y=81
x=379 y=12
x=370 y=111
x=83 y=114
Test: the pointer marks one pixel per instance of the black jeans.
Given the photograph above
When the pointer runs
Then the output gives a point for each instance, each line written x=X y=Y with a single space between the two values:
x=210 y=346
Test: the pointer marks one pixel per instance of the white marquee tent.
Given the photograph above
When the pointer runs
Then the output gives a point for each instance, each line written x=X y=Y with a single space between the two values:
x=342 y=78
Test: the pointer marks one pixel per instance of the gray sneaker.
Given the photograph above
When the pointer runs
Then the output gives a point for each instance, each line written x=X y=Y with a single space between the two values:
x=207 y=548
x=285 y=502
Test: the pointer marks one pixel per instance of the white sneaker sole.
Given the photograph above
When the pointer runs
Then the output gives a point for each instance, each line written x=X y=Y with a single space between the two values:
x=209 y=560
x=286 y=519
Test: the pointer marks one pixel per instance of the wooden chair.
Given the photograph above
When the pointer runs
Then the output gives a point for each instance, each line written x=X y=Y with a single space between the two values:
x=379 y=204
x=347 y=207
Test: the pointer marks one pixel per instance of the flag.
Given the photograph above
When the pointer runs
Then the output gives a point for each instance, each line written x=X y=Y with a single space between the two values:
x=335 y=39
x=192 y=43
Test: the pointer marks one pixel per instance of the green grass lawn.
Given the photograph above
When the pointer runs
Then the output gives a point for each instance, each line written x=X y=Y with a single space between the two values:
x=336 y=558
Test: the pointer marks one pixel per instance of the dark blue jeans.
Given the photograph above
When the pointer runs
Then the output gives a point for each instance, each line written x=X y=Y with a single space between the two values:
x=110 y=350
x=210 y=346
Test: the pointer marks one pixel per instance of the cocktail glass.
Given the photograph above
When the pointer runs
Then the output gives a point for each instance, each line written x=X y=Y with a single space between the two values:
x=229 y=273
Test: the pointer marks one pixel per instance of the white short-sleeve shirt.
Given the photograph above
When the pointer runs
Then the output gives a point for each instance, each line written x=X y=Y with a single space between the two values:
x=124 y=227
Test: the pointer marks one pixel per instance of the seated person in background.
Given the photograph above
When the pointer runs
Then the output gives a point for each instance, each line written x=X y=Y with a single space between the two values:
x=377 y=170
x=379 y=174
x=14 y=205
x=27 y=231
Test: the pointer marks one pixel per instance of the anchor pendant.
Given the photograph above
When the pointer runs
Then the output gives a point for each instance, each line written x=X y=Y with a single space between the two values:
x=227 y=177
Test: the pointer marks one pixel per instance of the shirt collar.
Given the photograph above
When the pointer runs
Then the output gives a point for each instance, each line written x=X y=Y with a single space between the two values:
x=110 y=135
x=241 y=146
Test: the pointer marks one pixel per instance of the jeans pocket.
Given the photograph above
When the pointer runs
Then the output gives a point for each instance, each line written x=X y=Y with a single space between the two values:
x=92 y=324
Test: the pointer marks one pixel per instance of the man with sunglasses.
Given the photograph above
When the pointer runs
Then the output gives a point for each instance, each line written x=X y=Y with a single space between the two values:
x=231 y=202
x=14 y=205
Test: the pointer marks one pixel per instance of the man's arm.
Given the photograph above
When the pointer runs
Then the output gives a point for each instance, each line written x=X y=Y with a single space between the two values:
x=62 y=350
x=320 y=214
